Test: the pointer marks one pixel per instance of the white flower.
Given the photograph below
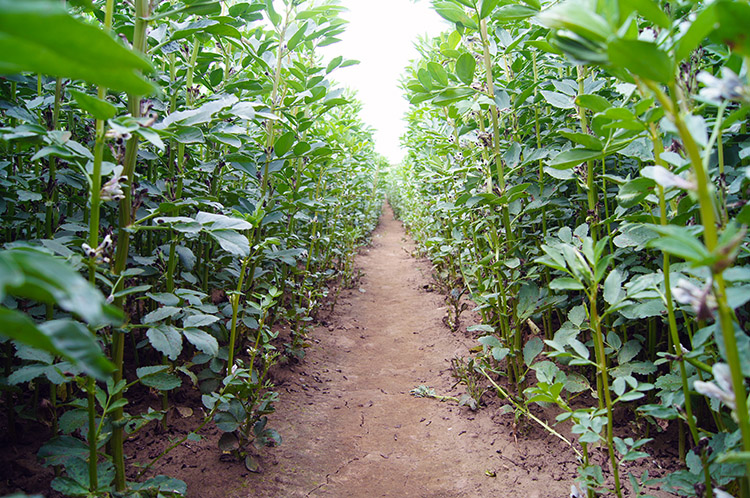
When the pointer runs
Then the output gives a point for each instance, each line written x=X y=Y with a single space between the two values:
x=574 y=492
x=701 y=300
x=100 y=252
x=112 y=190
x=721 y=389
x=718 y=493
x=728 y=87
x=666 y=178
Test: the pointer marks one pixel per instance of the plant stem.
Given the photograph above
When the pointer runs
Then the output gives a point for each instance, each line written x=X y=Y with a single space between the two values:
x=92 y=434
x=658 y=148
x=500 y=172
x=235 y=300
x=601 y=360
x=123 y=245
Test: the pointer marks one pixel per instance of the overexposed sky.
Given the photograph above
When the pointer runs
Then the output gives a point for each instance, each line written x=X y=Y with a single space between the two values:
x=381 y=35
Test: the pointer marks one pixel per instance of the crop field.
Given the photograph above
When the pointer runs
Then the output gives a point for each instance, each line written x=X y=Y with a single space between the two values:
x=188 y=200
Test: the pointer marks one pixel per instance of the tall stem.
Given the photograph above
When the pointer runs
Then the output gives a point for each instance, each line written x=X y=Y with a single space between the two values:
x=601 y=360
x=52 y=193
x=499 y=168
x=590 y=170
x=92 y=435
x=123 y=246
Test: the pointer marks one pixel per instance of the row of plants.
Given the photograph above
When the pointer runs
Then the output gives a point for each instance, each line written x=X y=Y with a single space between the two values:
x=181 y=185
x=579 y=169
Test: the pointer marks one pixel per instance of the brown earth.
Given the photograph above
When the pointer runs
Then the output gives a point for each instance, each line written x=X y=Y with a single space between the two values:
x=349 y=424
x=351 y=428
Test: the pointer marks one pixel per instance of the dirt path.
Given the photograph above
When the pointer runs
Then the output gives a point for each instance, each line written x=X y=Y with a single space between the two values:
x=350 y=426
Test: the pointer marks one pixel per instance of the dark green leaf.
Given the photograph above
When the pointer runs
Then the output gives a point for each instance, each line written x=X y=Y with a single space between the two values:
x=284 y=143
x=166 y=339
x=642 y=58
x=531 y=350
x=41 y=37
x=233 y=242
x=204 y=341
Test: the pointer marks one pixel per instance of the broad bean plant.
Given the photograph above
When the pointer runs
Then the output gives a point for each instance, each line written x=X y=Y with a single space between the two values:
x=180 y=182
x=580 y=170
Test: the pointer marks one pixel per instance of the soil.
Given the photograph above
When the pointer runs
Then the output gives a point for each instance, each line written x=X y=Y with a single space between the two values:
x=349 y=423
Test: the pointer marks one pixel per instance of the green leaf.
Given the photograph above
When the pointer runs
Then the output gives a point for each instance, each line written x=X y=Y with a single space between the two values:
x=635 y=191
x=578 y=17
x=284 y=143
x=508 y=13
x=335 y=62
x=50 y=280
x=160 y=314
x=423 y=75
x=454 y=13
x=201 y=8
x=465 y=67
x=531 y=350
x=204 y=341
x=166 y=339
x=648 y=9
x=100 y=109
x=232 y=242
x=733 y=18
x=699 y=29
x=189 y=135
x=65 y=338
x=158 y=378
x=613 y=287
x=588 y=141
x=559 y=100
x=450 y=95
x=203 y=114
x=438 y=73
x=199 y=320
x=679 y=241
x=487 y=7
x=297 y=37
x=642 y=58
x=41 y=37
x=273 y=16
x=565 y=283
x=574 y=157
x=165 y=298
x=596 y=103
x=212 y=221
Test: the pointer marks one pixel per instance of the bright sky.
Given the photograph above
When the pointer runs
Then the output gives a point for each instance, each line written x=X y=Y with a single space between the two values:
x=381 y=35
